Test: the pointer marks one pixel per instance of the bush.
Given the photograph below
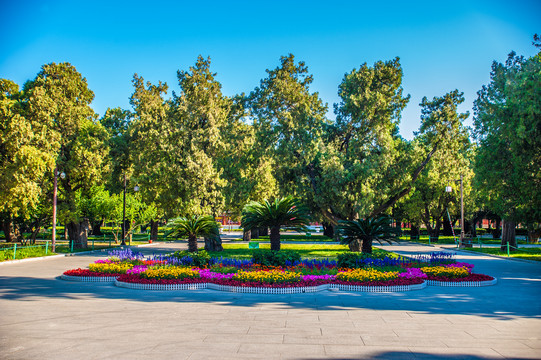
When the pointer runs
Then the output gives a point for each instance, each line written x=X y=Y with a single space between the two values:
x=199 y=259
x=351 y=260
x=275 y=258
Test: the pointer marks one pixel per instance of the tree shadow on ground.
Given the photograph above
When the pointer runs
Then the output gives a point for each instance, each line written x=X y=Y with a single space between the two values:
x=431 y=300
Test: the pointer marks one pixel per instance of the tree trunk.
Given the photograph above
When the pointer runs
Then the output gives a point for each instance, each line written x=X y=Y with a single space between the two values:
x=508 y=235
x=78 y=233
x=328 y=230
x=367 y=245
x=496 y=233
x=213 y=244
x=6 y=227
x=153 y=231
x=264 y=231
x=447 y=227
x=66 y=234
x=246 y=235
x=275 y=238
x=254 y=233
x=192 y=243
x=96 y=227
x=355 y=246
x=414 y=231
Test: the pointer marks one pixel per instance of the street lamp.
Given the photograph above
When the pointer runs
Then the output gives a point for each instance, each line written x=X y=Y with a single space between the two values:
x=55 y=191
x=450 y=189
x=135 y=188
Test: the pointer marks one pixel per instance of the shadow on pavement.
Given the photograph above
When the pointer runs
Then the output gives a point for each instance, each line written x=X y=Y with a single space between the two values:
x=431 y=300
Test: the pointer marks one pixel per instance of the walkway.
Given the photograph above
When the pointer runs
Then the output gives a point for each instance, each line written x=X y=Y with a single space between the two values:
x=42 y=317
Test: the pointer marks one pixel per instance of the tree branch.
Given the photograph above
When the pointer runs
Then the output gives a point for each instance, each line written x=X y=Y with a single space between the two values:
x=407 y=189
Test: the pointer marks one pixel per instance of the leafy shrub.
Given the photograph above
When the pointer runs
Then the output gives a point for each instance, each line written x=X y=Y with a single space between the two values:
x=275 y=258
x=199 y=259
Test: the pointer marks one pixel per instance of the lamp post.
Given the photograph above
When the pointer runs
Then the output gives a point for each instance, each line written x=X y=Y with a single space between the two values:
x=450 y=189
x=55 y=192
x=135 y=188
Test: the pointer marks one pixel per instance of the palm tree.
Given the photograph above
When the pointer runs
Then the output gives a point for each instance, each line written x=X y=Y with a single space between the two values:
x=362 y=232
x=275 y=214
x=192 y=228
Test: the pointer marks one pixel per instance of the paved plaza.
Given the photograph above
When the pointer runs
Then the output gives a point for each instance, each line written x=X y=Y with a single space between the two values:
x=42 y=317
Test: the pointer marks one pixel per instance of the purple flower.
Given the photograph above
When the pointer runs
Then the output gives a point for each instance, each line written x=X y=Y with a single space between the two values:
x=207 y=274
x=412 y=273
x=136 y=270
x=317 y=277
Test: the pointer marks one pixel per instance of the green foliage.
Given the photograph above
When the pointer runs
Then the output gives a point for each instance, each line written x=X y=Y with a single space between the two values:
x=26 y=153
x=508 y=132
x=364 y=231
x=200 y=258
x=280 y=212
x=441 y=126
x=353 y=260
x=274 y=258
x=192 y=228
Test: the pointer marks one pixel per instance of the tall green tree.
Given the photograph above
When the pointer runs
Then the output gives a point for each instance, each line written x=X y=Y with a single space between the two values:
x=149 y=133
x=508 y=131
x=366 y=161
x=428 y=202
x=199 y=114
x=26 y=155
x=289 y=120
x=60 y=98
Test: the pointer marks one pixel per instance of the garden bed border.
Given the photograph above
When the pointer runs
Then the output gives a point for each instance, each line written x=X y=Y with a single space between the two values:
x=462 y=283
x=89 y=278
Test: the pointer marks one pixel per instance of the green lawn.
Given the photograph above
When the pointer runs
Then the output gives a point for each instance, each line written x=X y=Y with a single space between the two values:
x=521 y=253
x=305 y=250
x=22 y=252
x=286 y=238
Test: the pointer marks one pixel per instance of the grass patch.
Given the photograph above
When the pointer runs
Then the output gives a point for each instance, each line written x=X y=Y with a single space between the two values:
x=241 y=251
x=300 y=238
x=521 y=253
x=24 y=253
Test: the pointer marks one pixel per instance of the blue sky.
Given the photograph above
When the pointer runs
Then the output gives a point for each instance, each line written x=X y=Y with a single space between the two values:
x=442 y=45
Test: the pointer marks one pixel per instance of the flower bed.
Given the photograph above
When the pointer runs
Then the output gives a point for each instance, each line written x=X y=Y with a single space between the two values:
x=168 y=273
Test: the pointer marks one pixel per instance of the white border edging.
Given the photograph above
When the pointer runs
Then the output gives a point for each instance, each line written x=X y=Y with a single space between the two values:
x=361 y=288
x=264 y=290
x=462 y=283
x=196 y=286
x=89 y=278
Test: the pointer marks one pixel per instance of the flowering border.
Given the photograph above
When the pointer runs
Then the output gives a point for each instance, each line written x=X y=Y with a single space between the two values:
x=462 y=283
x=89 y=278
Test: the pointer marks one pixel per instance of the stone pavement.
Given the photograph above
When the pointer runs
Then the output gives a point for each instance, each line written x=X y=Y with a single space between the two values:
x=42 y=317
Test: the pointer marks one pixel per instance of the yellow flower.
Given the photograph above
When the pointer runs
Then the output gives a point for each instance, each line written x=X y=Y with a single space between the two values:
x=369 y=274
x=170 y=272
x=450 y=272
x=272 y=276
x=114 y=268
